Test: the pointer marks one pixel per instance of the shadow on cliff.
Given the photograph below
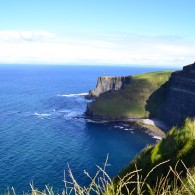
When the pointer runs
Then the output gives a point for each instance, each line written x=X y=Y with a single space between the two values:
x=156 y=101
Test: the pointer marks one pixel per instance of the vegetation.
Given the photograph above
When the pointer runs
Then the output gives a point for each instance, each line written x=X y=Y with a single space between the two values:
x=166 y=168
x=179 y=144
x=103 y=185
x=132 y=100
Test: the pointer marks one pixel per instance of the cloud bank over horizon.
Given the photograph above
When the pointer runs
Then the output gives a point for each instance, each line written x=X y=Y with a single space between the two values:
x=43 y=47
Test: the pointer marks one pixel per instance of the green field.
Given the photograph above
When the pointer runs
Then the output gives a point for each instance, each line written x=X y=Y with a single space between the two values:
x=132 y=100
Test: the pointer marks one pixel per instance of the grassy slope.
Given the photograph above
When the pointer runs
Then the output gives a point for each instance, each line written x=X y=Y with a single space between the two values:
x=131 y=101
x=178 y=145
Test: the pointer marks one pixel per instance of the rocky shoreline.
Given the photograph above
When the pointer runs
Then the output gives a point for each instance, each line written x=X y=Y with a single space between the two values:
x=152 y=127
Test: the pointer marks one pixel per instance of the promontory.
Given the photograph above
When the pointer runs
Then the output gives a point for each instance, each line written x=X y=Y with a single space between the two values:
x=165 y=95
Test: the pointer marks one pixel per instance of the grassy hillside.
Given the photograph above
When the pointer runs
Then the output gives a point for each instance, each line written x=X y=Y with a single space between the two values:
x=131 y=101
x=178 y=145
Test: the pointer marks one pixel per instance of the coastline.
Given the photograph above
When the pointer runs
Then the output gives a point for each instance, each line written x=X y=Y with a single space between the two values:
x=152 y=127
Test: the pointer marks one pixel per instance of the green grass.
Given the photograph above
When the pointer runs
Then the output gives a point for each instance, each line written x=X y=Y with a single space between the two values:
x=178 y=145
x=132 y=100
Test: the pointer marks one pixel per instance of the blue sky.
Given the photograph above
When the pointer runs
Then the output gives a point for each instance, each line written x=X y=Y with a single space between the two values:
x=151 y=32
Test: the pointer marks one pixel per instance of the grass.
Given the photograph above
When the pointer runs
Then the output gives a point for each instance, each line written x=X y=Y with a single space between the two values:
x=102 y=184
x=179 y=144
x=132 y=100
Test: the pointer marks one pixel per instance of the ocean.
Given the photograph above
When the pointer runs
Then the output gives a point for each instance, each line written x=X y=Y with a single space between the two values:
x=41 y=131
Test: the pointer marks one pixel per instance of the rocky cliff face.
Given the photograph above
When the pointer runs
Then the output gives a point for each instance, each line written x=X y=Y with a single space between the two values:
x=179 y=97
x=107 y=83
x=154 y=95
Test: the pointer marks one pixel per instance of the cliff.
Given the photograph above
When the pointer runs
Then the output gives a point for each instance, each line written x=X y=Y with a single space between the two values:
x=129 y=101
x=151 y=95
x=178 y=97
x=107 y=83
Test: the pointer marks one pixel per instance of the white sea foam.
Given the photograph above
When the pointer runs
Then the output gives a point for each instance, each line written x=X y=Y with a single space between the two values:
x=74 y=94
x=64 y=111
x=92 y=121
x=128 y=129
x=116 y=126
x=119 y=127
x=125 y=125
x=41 y=115
x=53 y=114
x=157 y=137
x=72 y=114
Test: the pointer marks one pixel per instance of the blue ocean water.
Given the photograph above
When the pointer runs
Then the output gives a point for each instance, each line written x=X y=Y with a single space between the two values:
x=40 y=132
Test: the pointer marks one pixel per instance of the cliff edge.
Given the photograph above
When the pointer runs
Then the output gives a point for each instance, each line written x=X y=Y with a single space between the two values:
x=168 y=96
x=179 y=97
x=121 y=98
x=107 y=83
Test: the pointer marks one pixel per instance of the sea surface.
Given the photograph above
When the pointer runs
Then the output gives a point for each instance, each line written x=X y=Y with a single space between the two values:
x=40 y=134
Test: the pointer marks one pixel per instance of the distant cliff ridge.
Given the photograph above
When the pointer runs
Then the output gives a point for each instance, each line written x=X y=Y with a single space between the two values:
x=179 y=100
x=121 y=98
x=168 y=97
x=107 y=83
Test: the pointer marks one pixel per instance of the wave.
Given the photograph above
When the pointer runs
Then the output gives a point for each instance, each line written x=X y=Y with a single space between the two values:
x=124 y=127
x=157 y=137
x=118 y=127
x=58 y=113
x=72 y=114
x=41 y=115
x=74 y=94
x=63 y=111
x=97 y=122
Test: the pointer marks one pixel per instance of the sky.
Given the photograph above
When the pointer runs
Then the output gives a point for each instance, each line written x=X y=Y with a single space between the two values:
x=93 y=32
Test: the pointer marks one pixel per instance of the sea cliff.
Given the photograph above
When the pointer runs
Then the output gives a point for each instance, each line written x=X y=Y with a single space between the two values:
x=169 y=97
x=127 y=101
x=179 y=97
x=107 y=83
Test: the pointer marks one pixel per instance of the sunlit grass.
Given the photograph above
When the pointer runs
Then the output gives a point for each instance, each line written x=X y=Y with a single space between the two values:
x=132 y=100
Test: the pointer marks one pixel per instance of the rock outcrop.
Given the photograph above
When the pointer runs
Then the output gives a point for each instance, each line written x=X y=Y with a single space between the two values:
x=124 y=98
x=107 y=83
x=179 y=100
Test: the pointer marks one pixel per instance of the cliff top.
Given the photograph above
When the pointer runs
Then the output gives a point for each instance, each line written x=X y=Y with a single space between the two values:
x=189 y=67
x=130 y=101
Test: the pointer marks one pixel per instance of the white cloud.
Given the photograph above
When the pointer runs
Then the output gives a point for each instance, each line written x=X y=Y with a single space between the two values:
x=17 y=36
x=45 y=47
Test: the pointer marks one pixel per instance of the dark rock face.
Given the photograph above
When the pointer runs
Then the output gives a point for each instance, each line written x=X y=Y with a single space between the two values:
x=107 y=83
x=180 y=97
